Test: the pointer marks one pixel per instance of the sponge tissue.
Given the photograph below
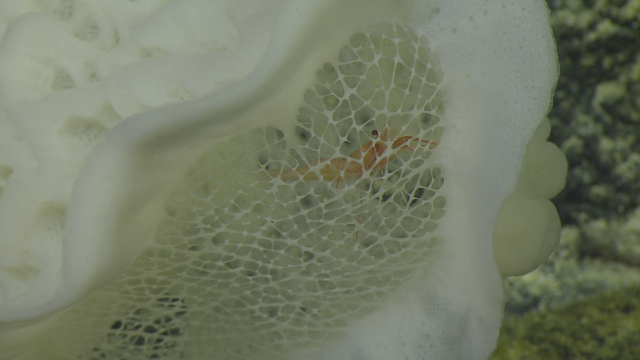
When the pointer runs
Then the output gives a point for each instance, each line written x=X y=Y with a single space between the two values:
x=279 y=179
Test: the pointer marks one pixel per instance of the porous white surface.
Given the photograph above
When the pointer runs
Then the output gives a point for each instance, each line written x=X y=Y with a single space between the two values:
x=88 y=193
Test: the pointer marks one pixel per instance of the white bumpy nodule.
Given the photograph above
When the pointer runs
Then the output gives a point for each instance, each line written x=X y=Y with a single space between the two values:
x=337 y=179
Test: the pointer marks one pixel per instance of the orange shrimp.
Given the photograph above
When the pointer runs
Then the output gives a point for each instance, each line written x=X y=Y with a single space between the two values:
x=372 y=156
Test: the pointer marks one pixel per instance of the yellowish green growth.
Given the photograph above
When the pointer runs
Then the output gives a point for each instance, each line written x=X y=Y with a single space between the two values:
x=528 y=226
x=597 y=329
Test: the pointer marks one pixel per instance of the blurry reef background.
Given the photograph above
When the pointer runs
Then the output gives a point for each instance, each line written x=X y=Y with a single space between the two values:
x=584 y=302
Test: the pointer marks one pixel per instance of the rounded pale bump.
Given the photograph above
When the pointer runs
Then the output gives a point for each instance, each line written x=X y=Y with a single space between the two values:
x=542 y=131
x=527 y=231
x=547 y=168
x=553 y=233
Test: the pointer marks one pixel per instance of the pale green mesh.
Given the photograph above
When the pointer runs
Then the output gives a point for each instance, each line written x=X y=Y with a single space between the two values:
x=279 y=237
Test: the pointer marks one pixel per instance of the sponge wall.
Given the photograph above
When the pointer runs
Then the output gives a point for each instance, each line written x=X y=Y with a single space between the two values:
x=302 y=180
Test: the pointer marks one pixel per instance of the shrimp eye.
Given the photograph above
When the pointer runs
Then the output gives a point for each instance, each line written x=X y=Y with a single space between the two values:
x=374 y=133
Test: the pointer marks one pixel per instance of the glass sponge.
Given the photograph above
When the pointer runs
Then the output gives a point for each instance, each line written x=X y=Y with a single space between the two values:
x=279 y=236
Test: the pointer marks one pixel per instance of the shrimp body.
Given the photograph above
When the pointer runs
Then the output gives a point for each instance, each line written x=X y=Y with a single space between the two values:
x=373 y=156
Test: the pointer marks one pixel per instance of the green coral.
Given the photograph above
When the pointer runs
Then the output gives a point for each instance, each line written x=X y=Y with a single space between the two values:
x=602 y=328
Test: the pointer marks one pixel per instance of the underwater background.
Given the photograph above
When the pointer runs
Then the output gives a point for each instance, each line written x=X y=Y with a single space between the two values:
x=584 y=302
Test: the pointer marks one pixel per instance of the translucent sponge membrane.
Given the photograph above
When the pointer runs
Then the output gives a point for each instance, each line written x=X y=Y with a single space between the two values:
x=279 y=236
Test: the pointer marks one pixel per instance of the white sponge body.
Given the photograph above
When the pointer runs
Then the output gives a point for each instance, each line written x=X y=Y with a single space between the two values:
x=129 y=124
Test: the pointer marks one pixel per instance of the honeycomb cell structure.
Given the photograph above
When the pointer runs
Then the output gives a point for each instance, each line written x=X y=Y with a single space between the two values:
x=279 y=237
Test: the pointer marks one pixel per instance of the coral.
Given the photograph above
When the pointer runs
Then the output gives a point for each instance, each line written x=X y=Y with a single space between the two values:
x=605 y=327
